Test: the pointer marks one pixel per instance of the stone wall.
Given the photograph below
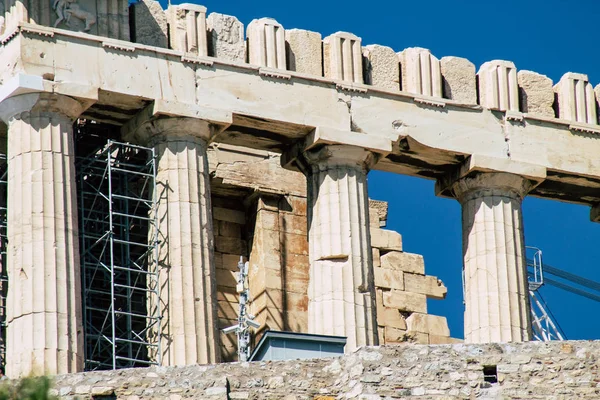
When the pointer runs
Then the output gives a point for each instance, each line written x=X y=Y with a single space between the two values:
x=534 y=370
x=259 y=212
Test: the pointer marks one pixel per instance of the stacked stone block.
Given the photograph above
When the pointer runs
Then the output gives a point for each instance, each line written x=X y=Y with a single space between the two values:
x=402 y=288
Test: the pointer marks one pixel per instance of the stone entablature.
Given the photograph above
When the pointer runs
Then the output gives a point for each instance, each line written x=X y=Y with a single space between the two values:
x=312 y=101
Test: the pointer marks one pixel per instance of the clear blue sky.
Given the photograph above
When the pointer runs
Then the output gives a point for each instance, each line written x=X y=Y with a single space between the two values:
x=550 y=37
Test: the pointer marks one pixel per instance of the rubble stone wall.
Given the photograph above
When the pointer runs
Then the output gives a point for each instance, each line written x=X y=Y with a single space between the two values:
x=533 y=370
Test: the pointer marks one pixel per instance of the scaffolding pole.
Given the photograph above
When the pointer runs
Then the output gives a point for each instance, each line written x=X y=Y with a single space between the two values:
x=119 y=256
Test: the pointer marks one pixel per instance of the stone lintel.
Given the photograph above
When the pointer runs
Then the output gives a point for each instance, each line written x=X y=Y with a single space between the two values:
x=323 y=136
x=203 y=122
x=477 y=164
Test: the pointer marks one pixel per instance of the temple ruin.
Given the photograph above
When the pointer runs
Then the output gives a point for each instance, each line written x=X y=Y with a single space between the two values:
x=146 y=150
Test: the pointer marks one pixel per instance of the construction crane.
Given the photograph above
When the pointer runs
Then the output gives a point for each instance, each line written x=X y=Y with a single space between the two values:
x=544 y=325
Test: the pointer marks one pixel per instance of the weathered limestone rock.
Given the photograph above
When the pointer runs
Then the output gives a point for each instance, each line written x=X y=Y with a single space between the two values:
x=391 y=316
x=429 y=324
x=430 y=286
x=341 y=291
x=536 y=93
x=149 y=23
x=459 y=79
x=495 y=275
x=304 y=52
x=45 y=333
x=226 y=37
x=384 y=239
x=405 y=301
x=381 y=210
x=342 y=57
x=498 y=86
x=395 y=335
x=381 y=67
x=420 y=72
x=266 y=43
x=389 y=279
x=187 y=28
x=407 y=262
x=576 y=99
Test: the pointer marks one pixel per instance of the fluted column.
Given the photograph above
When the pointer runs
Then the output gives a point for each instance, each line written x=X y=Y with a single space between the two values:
x=186 y=253
x=341 y=290
x=495 y=271
x=45 y=334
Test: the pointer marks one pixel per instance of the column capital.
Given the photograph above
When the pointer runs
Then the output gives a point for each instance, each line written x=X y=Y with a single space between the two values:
x=338 y=155
x=41 y=102
x=489 y=184
x=166 y=120
x=32 y=93
x=481 y=174
x=330 y=147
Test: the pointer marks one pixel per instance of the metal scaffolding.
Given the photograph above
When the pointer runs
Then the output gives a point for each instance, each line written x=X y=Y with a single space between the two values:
x=118 y=247
x=543 y=325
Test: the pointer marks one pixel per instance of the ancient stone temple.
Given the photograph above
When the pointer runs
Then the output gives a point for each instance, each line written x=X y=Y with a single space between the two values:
x=146 y=150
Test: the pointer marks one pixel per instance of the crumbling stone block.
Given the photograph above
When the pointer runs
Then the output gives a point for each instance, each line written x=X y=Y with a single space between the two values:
x=429 y=324
x=405 y=301
x=303 y=50
x=149 y=23
x=406 y=262
x=389 y=278
x=384 y=239
x=459 y=79
x=226 y=37
x=430 y=286
x=536 y=93
x=381 y=67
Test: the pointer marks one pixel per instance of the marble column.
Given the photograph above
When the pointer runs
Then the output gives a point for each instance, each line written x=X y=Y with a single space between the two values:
x=189 y=333
x=341 y=289
x=495 y=271
x=45 y=334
